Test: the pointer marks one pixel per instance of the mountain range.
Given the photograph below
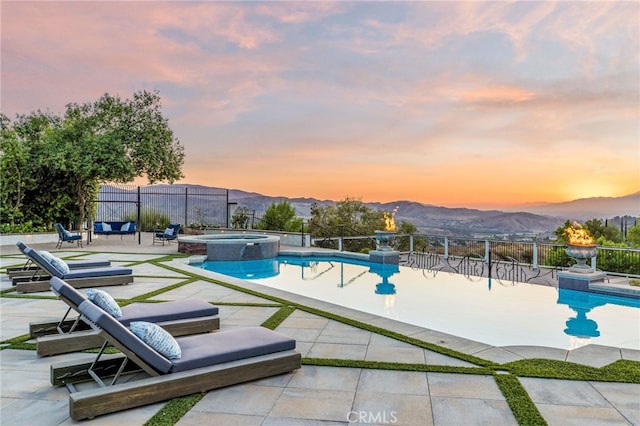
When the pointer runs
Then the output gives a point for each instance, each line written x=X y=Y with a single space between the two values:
x=535 y=219
x=531 y=219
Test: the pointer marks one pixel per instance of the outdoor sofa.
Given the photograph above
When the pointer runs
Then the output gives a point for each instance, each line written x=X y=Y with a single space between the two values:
x=114 y=228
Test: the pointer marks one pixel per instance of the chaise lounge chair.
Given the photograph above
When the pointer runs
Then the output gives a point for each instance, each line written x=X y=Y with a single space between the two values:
x=179 y=318
x=195 y=364
x=66 y=236
x=29 y=268
x=78 y=278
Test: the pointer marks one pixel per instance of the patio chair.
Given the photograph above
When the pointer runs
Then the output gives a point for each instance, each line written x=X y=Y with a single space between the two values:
x=189 y=365
x=169 y=234
x=78 y=278
x=66 y=236
x=29 y=268
x=179 y=318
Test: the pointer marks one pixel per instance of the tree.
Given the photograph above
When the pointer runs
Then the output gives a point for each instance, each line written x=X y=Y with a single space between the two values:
x=633 y=236
x=348 y=217
x=603 y=233
x=114 y=140
x=240 y=218
x=52 y=167
x=351 y=217
x=28 y=182
x=280 y=217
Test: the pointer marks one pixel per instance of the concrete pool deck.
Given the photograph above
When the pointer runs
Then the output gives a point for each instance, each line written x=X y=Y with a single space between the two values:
x=312 y=394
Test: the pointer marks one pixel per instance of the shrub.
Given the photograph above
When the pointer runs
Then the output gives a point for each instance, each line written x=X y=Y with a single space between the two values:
x=150 y=220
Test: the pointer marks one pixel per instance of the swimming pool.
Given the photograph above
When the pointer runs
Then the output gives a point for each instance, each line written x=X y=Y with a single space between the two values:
x=488 y=311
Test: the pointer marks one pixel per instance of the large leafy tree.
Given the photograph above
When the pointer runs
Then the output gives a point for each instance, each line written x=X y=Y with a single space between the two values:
x=351 y=217
x=115 y=140
x=110 y=140
x=32 y=190
x=281 y=217
x=348 y=217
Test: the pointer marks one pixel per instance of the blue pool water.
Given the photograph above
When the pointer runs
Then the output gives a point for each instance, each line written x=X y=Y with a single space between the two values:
x=489 y=311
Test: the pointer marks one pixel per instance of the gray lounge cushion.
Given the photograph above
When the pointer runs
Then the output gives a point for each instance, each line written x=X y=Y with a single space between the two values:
x=151 y=312
x=203 y=350
x=167 y=311
x=65 y=290
x=98 y=272
x=75 y=273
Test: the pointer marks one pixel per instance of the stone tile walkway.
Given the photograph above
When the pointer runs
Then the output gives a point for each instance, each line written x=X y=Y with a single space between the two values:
x=312 y=395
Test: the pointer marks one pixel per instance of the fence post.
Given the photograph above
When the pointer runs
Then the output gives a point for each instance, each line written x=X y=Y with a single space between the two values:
x=186 y=205
x=411 y=243
x=535 y=255
x=446 y=247
x=487 y=252
x=228 y=210
x=139 y=222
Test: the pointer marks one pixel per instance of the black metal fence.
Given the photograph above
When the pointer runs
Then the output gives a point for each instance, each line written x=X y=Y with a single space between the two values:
x=159 y=205
x=434 y=250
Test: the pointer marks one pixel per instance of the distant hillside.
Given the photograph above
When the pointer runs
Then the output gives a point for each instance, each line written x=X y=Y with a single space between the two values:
x=437 y=220
x=589 y=208
x=428 y=218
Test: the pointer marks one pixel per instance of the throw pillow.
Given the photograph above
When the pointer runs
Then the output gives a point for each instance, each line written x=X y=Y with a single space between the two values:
x=46 y=255
x=158 y=338
x=168 y=231
x=105 y=301
x=125 y=227
x=59 y=264
x=106 y=227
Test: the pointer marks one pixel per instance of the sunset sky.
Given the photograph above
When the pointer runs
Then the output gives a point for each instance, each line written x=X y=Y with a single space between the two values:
x=471 y=104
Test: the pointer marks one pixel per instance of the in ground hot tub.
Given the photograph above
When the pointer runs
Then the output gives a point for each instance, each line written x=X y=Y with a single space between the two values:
x=231 y=246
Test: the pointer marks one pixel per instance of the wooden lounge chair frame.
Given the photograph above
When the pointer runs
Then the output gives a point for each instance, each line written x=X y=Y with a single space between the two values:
x=72 y=334
x=112 y=396
x=39 y=281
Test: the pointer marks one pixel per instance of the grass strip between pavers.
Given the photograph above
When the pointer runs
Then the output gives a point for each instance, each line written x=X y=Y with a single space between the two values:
x=522 y=407
x=10 y=295
x=145 y=296
x=398 y=366
x=174 y=410
x=19 y=342
x=276 y=319
x=622 y=371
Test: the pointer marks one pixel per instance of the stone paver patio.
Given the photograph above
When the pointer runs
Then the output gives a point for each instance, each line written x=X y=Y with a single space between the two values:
x=312 y=395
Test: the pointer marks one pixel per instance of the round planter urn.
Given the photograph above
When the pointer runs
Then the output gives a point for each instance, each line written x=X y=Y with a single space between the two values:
x=581 y=253
x=383 y=238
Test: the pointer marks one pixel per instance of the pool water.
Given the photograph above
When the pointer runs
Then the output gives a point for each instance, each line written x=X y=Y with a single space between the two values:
x=480 y=309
